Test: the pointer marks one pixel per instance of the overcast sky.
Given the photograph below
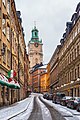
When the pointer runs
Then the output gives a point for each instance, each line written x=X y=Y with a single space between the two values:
x=50 y=16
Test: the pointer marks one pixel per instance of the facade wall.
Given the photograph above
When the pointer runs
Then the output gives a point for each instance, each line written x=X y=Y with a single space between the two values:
x=13 y=46
x=68 y=64
x=48 y=77
x=5 y=64
x=43 y=82
x=36 y=79
x=26 y=74
x=12 y=39
x=21 y=62
x=54 y=69
x=30 y=82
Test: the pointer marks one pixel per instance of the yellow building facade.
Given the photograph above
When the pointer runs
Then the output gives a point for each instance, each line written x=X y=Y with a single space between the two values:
x=12 y=50
x=43 y=82
x=48 y=77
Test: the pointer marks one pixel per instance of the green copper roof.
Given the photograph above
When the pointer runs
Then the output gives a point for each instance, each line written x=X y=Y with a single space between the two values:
x=34 y=29
x=34 y=41
x=35 y=37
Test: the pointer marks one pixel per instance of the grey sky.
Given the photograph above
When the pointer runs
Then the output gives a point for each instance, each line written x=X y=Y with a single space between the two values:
x=50 y=16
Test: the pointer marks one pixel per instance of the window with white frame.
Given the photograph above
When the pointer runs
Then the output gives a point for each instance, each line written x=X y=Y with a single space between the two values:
x=8 y=32
x=4 y=25
x=8 y=6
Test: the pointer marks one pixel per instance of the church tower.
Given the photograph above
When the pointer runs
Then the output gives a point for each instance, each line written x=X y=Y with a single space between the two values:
x=35 y=50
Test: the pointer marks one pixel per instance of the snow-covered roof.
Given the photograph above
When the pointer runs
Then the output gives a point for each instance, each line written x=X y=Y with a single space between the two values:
x=44 y=66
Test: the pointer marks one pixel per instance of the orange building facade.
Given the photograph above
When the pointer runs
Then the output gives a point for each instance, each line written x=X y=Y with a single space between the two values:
x=43 y=82
x=48 y=77
x=35 y=76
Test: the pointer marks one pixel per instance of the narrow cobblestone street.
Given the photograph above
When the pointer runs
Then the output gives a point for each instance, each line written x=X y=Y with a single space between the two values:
x=36 y=112
x=35 y=107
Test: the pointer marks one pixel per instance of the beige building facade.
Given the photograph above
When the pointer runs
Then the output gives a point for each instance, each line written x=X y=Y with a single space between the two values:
x=12 y=50
x=68 y=74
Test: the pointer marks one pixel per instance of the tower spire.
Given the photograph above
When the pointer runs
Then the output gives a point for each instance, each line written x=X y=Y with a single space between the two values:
x=34 y=24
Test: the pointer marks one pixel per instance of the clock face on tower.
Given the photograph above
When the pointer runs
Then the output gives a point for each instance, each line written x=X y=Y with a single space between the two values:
x=36 y=44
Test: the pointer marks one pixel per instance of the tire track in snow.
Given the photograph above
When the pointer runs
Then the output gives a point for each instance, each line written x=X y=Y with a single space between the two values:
x=45 y=112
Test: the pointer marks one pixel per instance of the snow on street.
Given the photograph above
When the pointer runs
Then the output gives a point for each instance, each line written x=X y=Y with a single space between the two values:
x=26 y=113
x=16 y=108
x=40 y=110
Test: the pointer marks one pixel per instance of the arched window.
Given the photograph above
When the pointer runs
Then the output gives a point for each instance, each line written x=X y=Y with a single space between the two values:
x=35 y=33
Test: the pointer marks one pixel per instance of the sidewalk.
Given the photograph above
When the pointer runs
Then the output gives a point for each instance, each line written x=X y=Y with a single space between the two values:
x=12 y=110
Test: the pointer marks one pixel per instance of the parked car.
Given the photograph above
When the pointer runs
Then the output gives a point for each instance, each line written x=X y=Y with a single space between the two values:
x=57 y=97
x=45 y=95
x=64 y=100
x=78 y=107
x=73 y=102
x=50 y=96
